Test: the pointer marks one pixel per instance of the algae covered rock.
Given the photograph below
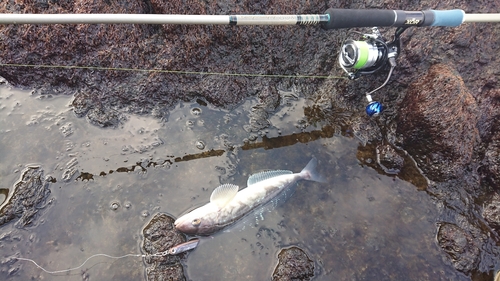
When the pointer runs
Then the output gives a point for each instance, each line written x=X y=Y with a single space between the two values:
x=439 y=125
x=459 y=246
x=293 y=264
x=159 y=236
x=28 y=197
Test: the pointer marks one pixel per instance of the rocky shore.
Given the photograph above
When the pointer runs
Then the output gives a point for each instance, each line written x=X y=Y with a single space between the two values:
x=442 y=102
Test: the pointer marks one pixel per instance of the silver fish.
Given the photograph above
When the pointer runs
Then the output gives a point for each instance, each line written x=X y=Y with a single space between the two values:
x=227 y=204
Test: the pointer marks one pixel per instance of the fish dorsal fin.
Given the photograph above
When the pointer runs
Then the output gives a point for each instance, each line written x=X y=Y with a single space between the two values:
x=223 y=194
x=255 y=178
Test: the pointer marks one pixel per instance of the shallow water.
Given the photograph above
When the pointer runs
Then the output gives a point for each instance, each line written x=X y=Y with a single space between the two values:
x=109 y=182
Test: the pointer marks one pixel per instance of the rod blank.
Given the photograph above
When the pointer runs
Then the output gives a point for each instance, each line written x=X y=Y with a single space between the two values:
x=161 y=19
x=482 y=18
x=332 y=19
x=110 y=19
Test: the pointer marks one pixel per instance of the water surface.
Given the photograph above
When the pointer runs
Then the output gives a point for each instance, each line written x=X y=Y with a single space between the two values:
x=360 y=225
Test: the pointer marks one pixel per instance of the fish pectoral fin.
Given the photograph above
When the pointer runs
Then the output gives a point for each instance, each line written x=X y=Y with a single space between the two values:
x=255 y=178
x=223 y=194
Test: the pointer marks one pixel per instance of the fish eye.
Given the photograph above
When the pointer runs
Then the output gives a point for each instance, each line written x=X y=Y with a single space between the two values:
x=196 y=222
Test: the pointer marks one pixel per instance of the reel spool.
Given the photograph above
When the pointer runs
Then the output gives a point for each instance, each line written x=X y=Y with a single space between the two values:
x=363 y=57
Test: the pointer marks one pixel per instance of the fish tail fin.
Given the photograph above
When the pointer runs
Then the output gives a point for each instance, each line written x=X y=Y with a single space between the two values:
x=310 y=173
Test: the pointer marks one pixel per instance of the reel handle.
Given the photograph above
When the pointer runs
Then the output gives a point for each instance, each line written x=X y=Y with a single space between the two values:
x=347 y=18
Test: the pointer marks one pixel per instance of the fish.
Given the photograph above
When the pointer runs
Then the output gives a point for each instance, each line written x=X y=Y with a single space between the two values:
x=228 y=204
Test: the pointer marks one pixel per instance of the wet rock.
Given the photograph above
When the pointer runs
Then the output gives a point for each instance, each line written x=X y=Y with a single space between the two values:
x=439 y=125
x=491 y=171
x=366 y=130
x=105 y=117
x=259 y=114
x=106 y=51
x=293 y=264
x=491 y=212
x=489 y=127
x=159 y=236
x=389 y=159
x=459 y=245
x=28 y=199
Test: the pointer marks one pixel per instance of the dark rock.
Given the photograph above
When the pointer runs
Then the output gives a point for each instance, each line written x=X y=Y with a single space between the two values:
x=439 y=125
x=491 y=171
x=166 y=56
x=293 y=264
x=389 y=159
x=104 y=118
x=491 y=212
x=159 y=236
x=459 y=245
x=28 y=199
x=489 y=127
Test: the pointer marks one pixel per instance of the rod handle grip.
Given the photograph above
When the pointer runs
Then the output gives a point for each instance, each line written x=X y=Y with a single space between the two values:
x=347 y=18
x=449 y=18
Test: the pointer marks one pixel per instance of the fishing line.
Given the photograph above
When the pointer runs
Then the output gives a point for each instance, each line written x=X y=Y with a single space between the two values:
x=89 y=258
x=175 y=250
x=80 y=266
x=181 y=72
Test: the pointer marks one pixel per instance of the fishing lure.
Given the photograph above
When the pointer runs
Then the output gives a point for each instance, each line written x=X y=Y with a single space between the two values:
x=183 y=247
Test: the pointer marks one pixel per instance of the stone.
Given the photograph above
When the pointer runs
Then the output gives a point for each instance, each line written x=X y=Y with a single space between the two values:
x=29 y=198
x=159 y=236
x=293 y=264
x=491 y=212
x=439 y=125
x=459 y=246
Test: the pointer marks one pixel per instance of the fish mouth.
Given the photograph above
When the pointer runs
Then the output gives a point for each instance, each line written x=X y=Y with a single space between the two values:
x=180 y=225
x=177 y=223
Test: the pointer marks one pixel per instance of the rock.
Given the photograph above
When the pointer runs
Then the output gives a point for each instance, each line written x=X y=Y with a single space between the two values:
x=105 y=118
x=491 y=212
x=489 y=128
x=389 y=159
x=167 y=57
x=491 y=171
x=438 y=127
x=29 y=198
x=293 y=264
x=159 y=236
x=459 y=246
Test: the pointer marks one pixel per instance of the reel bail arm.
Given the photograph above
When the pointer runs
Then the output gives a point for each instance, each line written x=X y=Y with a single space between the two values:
x=359 y=58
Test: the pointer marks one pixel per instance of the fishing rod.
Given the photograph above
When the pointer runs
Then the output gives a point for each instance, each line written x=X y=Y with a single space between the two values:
x=332 y=19
x=368 y=55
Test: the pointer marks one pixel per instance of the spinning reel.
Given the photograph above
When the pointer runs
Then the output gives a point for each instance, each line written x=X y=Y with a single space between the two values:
x=368 y=56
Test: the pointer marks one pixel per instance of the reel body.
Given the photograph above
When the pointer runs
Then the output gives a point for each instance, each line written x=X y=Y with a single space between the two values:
x=367 y=56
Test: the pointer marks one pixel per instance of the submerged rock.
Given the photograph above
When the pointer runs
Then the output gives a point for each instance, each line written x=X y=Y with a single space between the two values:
x=28 y=199
x=159 y=236
x=389 y=159
x=293 y=264
x=459 y=245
